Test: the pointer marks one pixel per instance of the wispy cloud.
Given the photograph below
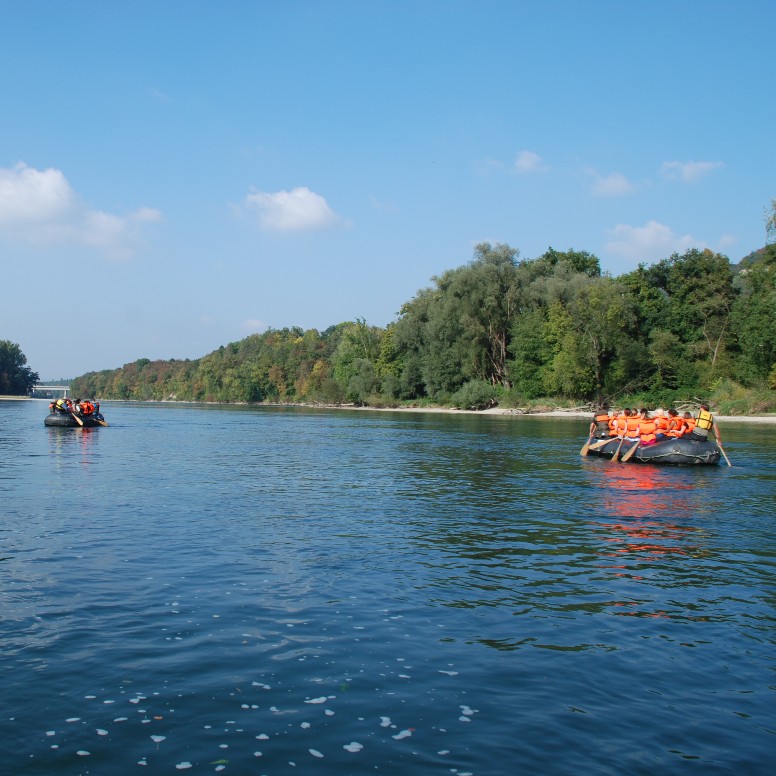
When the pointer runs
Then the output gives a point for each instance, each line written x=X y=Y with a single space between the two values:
x=291 y=211
x=613 y=185
x=649 y=243
x=254 y=324
x=528 y=161
x=40 y=207
x=688 y=172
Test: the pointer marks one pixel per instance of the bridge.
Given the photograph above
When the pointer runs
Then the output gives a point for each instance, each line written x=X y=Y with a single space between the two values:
x=49 y=391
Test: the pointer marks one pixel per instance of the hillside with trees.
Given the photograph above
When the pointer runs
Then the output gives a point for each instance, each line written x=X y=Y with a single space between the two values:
x=501 y=330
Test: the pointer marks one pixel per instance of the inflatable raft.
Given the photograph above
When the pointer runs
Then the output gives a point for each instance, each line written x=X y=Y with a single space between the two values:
x=66 y=420
x=678 y=450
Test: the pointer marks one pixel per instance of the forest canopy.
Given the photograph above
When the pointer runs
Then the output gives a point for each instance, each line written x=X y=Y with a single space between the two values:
x=504 y=330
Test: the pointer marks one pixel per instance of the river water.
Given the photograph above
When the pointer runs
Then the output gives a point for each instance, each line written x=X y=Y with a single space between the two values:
x=209 y=589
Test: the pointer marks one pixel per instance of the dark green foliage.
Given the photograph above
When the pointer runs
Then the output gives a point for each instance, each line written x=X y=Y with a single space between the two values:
x=475 y=395
x=16 y=379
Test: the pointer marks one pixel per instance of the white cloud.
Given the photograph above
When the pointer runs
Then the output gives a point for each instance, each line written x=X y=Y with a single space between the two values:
x=649 y=243
x=289 y=211
x=254 y=324
x=613 y=185
x=40 y=207
x=688 y=172
x=528 y=161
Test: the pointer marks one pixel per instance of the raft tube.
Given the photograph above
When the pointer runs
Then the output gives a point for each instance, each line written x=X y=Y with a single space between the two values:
x=677 y=450
x=65 y=420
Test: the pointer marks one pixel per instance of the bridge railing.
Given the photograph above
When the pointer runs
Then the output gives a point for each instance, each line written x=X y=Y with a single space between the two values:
x=50 y=391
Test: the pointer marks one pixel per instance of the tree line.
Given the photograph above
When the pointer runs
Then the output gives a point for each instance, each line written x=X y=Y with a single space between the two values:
x=504 y=330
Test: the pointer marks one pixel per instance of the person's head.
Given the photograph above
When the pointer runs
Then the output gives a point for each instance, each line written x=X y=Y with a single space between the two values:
x=686 y=415
x=672 y=413
x=626 y=412
x=705 y=407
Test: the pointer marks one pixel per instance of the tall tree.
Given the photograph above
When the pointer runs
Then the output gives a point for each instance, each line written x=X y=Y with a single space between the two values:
x=16 y=379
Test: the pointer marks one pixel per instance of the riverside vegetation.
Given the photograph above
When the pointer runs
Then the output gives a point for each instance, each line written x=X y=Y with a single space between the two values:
x=504 y=331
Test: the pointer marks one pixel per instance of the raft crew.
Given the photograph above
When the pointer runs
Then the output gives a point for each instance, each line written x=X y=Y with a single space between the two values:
x=640 y=426
x=82 y=407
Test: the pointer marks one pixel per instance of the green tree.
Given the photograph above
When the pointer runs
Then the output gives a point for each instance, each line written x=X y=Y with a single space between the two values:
x=16 y=379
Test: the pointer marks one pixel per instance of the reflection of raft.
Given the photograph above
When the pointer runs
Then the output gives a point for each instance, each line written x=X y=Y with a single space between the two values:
x=677 y=450
x=66 y=420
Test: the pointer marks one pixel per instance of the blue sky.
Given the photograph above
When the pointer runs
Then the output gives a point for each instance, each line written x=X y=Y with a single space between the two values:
x=177 y=175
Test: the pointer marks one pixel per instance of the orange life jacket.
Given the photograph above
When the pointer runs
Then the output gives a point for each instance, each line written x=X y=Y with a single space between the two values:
x=689 y=424
x=661 y=421
x=675 y=427
x=632 y=426
x=87 y=408
x=647 y=429
x=602 y=422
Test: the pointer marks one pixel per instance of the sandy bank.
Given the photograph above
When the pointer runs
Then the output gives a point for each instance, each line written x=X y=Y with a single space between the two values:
x=766 y=419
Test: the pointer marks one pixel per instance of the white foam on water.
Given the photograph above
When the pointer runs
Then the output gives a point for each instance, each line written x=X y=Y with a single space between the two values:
x=315 y=753
x=183 y=766
x=353 y=746
x=385 y=721
x=305 y=725
x=322 y=699
x=83 y=753
x=402 y=734
x=158 y=739
x=101 y=732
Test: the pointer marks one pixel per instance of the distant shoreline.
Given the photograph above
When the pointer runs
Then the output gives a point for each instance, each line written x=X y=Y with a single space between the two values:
x=764 y=419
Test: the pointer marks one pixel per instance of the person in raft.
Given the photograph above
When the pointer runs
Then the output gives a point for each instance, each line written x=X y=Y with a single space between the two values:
x=600 y=424
x=703 y=424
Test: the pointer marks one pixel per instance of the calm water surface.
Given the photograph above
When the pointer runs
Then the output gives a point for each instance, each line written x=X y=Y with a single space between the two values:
x=274 y=591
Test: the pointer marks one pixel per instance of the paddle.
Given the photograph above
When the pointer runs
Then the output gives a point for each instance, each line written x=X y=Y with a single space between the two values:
x=722 y=450
x=616 y=455
x=630 y=452
x=600 y=443
x=77 y=419
x=586 y=446
x=101 y=422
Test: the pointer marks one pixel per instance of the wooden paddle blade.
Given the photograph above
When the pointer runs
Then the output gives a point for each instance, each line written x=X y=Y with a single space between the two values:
x=722 y=450
x=616 y=456
x=586 y=446
x=630 y=452
x=600 y=443
x=77 y=419
x=102 y=422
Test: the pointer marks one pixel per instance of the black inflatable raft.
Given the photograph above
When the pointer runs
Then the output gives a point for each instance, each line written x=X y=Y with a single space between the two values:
x=678 y=450
x=66 y=420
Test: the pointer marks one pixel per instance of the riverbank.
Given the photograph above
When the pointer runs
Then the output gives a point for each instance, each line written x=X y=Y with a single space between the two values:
x=559 y=413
